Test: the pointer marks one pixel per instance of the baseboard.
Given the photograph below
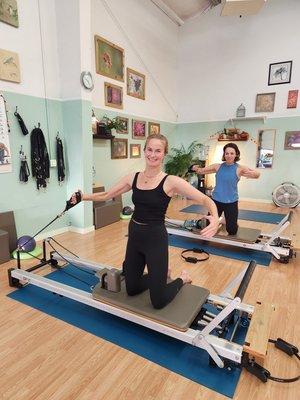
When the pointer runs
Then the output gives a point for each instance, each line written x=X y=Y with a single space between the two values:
x=55 y=232
x=255 y=200
x=83 y=231
x=52 y=233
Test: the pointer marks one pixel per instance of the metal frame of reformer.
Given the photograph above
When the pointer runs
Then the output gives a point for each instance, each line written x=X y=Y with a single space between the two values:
x=265 y=241
x=217 y=348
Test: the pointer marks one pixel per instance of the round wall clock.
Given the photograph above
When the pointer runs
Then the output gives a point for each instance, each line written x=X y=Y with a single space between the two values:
x=87 y=80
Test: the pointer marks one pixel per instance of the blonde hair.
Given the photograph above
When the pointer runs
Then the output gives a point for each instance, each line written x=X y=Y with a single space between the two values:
x=160 y=137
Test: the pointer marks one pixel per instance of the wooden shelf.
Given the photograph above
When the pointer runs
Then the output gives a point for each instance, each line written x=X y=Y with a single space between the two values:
x=103 y=137
x=232 y=140
x=258 y=118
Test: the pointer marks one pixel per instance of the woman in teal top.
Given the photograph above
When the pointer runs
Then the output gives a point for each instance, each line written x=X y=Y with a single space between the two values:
x=225 y=193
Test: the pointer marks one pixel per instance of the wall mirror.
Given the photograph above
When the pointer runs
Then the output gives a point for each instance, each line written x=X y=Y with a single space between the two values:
x=265 y=148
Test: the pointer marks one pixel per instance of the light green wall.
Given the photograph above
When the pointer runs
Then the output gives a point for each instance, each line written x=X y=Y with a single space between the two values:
x=286 y=162
x=77 y=126
x=33 y=209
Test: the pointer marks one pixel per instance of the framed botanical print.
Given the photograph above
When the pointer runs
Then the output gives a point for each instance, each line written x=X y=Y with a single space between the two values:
x=119 y=148
x=135 y=84
x=135 y=150
x=138 y=129
x=113 y=95
x=9 y=66
x=124 y=121
x=153 y=128
x=265 y=102
x=292 y=140
x=109 y=59
x=280 y=73
x=9 y=12
x=292 y=99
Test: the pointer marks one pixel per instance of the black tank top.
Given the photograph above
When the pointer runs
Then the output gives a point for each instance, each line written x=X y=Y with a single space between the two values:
x=150 y=205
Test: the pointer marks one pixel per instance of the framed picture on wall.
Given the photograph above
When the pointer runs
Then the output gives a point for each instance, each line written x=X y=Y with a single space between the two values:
x=113 y=95
x=109 y=59
x=124 y=121
x=119 y=148
x=292 y=99
x=153 y=128
x=135 y=150
x=280 y=73
x=265 y=102
x=138 y=129
x=135 y=84
x=9 y=66
x=9 y=12
x=292 y=140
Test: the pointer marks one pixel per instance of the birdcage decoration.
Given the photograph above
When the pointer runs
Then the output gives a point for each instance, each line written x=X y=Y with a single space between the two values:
x=241 y=111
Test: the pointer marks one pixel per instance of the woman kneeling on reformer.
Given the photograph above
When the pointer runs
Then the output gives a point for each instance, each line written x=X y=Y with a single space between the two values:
x=147 y=243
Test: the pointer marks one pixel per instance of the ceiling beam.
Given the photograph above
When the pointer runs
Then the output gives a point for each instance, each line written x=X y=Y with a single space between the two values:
x=167 y=10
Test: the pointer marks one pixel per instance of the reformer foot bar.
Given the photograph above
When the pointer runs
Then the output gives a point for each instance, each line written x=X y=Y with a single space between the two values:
x=279 y=247
x=195 y=328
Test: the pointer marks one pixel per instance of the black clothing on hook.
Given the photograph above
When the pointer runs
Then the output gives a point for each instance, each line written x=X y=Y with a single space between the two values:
x=24 y=171
x=21 y=123
x=60 y=160
x=40 y=163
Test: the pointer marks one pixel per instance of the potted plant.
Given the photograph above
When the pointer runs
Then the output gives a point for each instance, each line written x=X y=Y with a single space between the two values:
x=179 y=161
x=106 y=125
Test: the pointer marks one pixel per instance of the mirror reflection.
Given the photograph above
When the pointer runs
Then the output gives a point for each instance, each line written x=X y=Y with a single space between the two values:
x=265 y=148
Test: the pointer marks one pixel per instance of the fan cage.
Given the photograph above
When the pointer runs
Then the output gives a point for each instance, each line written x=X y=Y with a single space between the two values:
x=286 y=195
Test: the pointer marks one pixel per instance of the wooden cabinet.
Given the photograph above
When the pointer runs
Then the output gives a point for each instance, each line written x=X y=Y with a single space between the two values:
x=106 y=212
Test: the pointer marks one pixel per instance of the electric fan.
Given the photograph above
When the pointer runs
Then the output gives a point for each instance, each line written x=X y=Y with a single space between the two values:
x=286 y=195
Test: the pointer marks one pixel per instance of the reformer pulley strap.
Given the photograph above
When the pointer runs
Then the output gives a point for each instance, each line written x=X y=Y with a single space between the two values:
x=194 y=260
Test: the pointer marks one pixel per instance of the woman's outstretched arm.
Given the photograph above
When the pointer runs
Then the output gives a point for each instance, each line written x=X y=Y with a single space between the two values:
x=123 y=186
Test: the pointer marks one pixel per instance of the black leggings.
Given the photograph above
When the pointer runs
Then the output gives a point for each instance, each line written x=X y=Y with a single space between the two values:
x=231 y=212
x=148 y=244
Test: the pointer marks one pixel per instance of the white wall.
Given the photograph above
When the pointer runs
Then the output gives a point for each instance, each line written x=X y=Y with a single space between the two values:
x=143 y=32
x=26 y=41
x=224 y=61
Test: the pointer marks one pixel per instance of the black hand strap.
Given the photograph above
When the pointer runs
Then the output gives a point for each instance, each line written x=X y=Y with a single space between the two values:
x=191 y=168
x=194 y=260
x=78 y=200
x=262 y=373
x=21 y=123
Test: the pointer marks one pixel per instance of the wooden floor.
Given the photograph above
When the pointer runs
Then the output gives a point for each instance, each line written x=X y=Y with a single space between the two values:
x=44 y=358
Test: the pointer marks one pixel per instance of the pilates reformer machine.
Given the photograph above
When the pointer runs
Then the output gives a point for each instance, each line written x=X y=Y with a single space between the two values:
x=195 y=316
x=247 y=238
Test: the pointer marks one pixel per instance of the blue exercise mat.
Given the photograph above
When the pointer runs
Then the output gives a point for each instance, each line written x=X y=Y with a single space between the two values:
x=218 y=249
x=248 y=215
x=179 y=357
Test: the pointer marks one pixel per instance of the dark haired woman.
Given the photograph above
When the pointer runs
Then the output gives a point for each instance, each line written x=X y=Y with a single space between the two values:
x=225 y=193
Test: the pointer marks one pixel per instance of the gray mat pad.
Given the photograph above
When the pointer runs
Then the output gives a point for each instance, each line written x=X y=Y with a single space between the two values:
x=179 y=314
x=246 y=235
